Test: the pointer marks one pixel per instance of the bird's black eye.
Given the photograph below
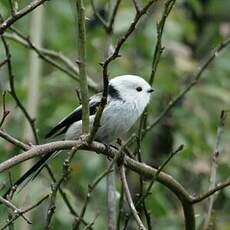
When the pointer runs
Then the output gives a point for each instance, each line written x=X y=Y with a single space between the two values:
x=139 y=89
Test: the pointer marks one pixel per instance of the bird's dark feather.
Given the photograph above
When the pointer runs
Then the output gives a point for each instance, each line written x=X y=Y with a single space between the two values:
x=75 y=116
x=114 y=93
x=30 y=174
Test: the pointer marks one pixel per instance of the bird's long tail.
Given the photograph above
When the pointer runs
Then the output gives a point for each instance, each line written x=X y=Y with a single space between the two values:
x=32 y=173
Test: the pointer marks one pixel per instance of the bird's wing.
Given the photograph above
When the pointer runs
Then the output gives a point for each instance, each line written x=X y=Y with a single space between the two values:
x=75 y=116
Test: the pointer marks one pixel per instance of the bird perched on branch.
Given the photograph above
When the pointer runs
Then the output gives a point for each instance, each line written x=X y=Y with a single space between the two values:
x=128 y=95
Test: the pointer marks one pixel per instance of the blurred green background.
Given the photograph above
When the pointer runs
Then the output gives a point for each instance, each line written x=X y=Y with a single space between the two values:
x=192 y=30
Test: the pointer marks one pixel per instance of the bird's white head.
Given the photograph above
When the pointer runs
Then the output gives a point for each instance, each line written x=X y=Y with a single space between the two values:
x=131 y=88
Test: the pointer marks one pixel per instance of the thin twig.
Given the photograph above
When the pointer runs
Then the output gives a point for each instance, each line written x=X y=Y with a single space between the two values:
x=91 y=188
x=158 y=47
x=89 y=226
x=204 y=196
x=120 y=206
x=129 y=199
x=82 y=66
x=2 y=63
x=55 y=187
x=106 y=63
x=19 y=14
x=5 y=112
x=97 y=14
x=48 y=56
x=30 y=120
x=159 y=170
x=157 y=52
x=23 y=212
x=113 y=16
x=15 y=210
x=136 y=5
x=14 y=141
x=141 y=190
x=194 y=81
x=214 y=165
x=162 y=166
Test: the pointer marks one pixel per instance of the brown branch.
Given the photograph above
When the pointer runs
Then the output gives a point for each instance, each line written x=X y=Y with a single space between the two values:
x=129 y=199
x=144 y=170
x=147 y=192
x=204 y=196
x=14 y=141
x=19 y=14
x=140 y=168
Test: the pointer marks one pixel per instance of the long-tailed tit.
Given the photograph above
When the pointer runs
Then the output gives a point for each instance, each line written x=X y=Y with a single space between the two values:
x=128 y=95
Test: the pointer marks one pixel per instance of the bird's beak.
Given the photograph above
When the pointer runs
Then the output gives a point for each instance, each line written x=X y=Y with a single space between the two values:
x=151 y=90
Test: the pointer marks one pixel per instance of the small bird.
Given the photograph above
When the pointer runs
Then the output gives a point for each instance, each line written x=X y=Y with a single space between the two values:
x=128 y=95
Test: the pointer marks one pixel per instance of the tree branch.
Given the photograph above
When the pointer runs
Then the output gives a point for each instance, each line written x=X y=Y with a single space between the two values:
x=106 y=63
x=82 y=65
x=19 y=14
x=30 y=120
x=23 y=212
x=194 y=81
x=129 y=199
x=48 y=56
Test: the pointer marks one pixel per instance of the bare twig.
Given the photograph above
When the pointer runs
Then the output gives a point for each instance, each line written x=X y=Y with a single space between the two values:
x=82 y=66
x=2 y=63
x=23 y=212
x=120 y=205
x=214 y=165
x=158 y=48
x=12 y=9
x=48 y=56
x=5 y=112
x=19 y=14
x=97 y=14
x=204 y=196
x=15 y=210
x=147 y=192
x=140 y=168
x=129 y=199
x=106 y=63
x=14 y=141
x=91 y=188
x=141 y=190
x=51 y=207
x=113 y=16
x=136 y=5
x=194 y=81
x=157 y=53
x=89 y=226
x=13 y=91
